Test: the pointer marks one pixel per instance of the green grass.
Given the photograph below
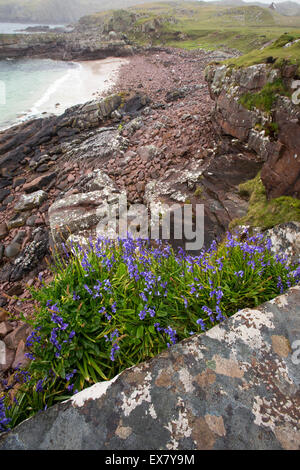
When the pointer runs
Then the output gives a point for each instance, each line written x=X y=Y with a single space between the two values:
x=117 y=304
x=277 y=51
x=202 y=25
x=263 y=213
x=265 y=98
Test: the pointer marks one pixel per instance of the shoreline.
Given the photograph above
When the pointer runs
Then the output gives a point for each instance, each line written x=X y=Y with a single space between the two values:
x=87 y=81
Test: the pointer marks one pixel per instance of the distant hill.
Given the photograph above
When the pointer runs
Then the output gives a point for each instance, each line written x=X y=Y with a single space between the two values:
x=56 y=11
x=69 y=11
x=287 y=8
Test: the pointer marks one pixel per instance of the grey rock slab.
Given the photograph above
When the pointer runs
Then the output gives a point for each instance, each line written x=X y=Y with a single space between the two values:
x=233 y=387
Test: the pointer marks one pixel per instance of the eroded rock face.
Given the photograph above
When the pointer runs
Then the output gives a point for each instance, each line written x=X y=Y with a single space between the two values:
x=80 y=214
x=281 y=171
x=250 y=363
x=213 y=184
x=17 y=143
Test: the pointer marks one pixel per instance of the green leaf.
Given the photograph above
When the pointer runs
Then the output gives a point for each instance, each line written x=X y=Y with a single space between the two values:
x=140 y=331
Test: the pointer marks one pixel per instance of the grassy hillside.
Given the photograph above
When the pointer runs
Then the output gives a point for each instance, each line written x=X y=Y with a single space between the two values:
x=203 y=25
x=286 y=48
x=56 y=11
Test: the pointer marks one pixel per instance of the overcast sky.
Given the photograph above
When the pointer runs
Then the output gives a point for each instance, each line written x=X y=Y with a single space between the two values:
x=264 y=1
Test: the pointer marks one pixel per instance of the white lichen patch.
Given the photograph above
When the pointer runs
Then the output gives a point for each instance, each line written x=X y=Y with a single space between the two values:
x=193 y=347
x=140 y=395
x=187 y=380
x=92 y=393
x=179 y=428
x=152 y=411
x=281 y=301
x=246 y=327
x=263 y=418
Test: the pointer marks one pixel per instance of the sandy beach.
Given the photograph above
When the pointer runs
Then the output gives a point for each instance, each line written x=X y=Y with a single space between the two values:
x=83 y=83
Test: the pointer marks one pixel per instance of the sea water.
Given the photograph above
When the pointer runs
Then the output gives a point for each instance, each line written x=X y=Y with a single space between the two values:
x=18 y=28
x=27 y=85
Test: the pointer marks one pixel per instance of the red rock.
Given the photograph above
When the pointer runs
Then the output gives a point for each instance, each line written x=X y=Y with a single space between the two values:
x=5 y=328
x=71 y=178
x=20 y=333
x=20 y=359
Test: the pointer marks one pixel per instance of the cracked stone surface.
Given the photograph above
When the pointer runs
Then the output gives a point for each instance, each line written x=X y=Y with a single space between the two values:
x=234 y=387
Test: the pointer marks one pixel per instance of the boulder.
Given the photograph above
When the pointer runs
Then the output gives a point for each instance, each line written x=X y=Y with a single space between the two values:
x=285 y=240
x=30 y=201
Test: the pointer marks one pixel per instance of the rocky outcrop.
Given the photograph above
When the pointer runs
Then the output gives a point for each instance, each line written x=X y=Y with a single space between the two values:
x=212 y=183
x=18 y=142
x=234 y=387
x=80 y=214
x=64 y=46
x=274 y=134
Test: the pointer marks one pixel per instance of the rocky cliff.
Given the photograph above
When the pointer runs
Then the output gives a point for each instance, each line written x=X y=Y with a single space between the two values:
x=255 y=104
x=64 y=46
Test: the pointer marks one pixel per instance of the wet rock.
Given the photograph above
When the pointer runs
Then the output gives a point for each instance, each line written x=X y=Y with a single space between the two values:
x=30 y=258
x=3 y=230
x=30 y=201
x=3 y=194
x=39 y=183
x=12 y=250
x=18 y=220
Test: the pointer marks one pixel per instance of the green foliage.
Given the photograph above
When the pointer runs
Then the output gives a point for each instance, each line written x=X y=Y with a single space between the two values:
x=265 y=98
x=263 y=213
x=116 y=304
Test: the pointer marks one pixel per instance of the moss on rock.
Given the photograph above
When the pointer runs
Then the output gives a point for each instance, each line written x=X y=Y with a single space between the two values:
x=266 y=213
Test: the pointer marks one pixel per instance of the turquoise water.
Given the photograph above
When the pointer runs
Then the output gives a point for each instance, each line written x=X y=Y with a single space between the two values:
x=14 y=28
x=24 y=84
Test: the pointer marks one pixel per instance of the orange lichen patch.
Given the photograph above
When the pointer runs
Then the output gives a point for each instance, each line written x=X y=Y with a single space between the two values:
x=228 y=367
x=202 y=434
x=123 y=431
x=281 y=345
x=136 y=376
x=206 y=378
x=164 y=379
x=288 y=437
x=216 y=424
